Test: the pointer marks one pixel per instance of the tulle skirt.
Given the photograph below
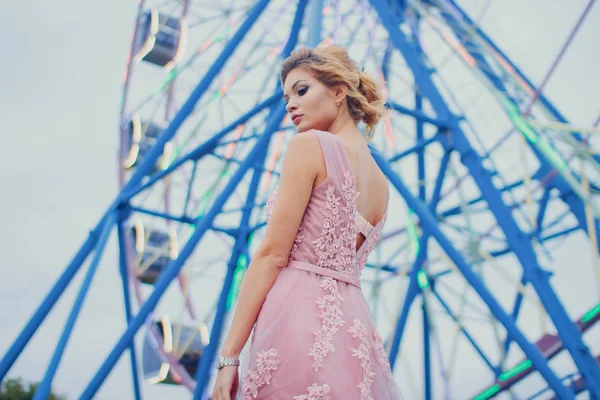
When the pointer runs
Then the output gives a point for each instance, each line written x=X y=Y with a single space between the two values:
x=315 y=339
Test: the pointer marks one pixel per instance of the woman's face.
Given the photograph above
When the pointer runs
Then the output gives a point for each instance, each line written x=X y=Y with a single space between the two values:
x=311 y=104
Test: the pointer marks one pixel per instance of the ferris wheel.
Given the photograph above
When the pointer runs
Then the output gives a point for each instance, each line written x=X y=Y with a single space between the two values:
x=489 y=181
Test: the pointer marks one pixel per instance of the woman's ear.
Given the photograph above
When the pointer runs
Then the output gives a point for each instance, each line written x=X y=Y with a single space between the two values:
x=340 y=94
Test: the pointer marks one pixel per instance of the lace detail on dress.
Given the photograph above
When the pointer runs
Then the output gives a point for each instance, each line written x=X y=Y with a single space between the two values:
x=266 y=361
x=337 y=251
x=315 y=392
x=347 y=254
x=363 y=352
x=382 y=357
x=331 y=316
x=297 y=241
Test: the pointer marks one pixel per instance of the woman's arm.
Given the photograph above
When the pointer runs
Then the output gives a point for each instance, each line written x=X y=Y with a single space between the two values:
x=302 y=163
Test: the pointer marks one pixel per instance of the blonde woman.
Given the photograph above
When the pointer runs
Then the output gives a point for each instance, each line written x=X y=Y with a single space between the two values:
x=314 y=337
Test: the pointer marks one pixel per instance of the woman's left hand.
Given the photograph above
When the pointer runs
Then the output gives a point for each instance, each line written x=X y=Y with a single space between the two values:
x=227 y=384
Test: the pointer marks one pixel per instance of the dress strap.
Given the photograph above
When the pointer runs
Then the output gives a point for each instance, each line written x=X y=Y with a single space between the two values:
x=362 y=225
x=334 y=161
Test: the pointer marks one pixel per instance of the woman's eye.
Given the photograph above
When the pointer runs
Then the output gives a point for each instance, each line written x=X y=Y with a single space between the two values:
x=302 y=91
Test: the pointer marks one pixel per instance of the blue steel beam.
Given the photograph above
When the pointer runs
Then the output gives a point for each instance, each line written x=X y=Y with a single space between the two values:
x=418 y=148
x=43 y=389
x=418 y=114
x=413 y=287
x=564 y=232
x=542 y=209
x=426 y=348
x=124 y=270
x=411 y=293
x=188 y=193
x=515 y=316
x=420 y=136
x=385 y=63
x=315 y=25
x=420 y=151
x=457 y=210
x=468 y=336
x=517 y=240
x=165 y=216
x=240 y=246
x=208 y=356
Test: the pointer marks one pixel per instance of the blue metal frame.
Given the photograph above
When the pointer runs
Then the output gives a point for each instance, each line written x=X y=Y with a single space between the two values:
x=202 y=225
x=542 y=98
x=413 y=287
x=468 y=336
x=240 y=246
x=123 y=270
x=429 y=223
x=449 y=135
x=418 y=114
x=315 y=24
x=130 y=188
x=43 y=390
x=517 y=239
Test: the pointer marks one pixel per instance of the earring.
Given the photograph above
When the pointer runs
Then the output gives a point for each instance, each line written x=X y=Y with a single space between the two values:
x=338 y=103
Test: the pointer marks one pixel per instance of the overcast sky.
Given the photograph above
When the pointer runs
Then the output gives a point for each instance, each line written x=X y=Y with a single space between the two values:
x=60 y=88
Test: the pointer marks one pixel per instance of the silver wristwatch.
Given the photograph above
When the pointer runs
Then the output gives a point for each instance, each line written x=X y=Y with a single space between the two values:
x=226 y=362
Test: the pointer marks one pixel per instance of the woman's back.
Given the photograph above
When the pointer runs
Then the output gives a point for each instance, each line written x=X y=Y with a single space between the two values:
x=333 y=233
x=315 y=337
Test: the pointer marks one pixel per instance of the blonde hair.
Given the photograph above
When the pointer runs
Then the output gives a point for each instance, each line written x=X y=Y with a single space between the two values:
x=332 y=66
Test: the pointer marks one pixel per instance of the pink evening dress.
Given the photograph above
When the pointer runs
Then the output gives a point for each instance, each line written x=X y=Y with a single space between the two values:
x=315 y=338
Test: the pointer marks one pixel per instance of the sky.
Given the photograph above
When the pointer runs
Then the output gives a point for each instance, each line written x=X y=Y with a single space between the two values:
x=60 y=88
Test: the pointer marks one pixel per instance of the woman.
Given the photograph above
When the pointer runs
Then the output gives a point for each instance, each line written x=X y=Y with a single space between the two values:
x=314 y=337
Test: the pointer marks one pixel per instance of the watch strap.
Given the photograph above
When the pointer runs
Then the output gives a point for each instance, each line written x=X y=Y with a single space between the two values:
x=228 y=362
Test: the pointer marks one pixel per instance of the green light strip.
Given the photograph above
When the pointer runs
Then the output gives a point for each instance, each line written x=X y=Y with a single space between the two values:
x=547 y=150
x=413 y=240
x=489 y=392
x=517 y=369
x=422 y=279
x=588 y=316
x=411 y=230
x=204 y=202
x=541 y=143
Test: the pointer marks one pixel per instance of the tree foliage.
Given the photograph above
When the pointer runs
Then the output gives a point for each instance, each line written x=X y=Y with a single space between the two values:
x=15 y=389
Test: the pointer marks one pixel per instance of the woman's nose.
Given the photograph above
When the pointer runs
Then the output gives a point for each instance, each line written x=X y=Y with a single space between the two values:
x=290 y=107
